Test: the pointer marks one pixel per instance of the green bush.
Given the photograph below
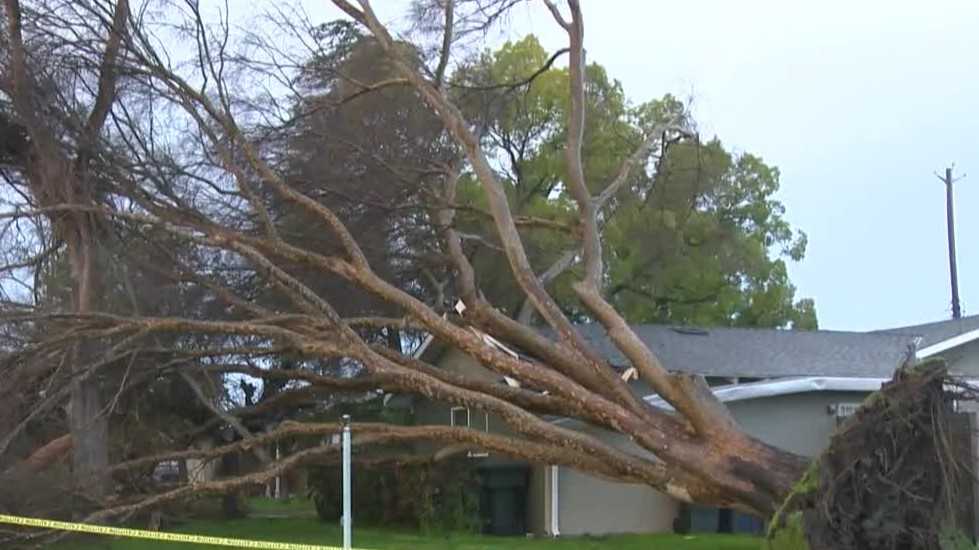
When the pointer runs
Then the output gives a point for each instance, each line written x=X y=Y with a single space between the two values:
x=954 y=539
x=432 y=497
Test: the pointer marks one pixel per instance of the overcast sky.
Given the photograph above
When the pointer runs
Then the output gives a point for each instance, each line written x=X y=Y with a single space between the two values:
x=858 y=103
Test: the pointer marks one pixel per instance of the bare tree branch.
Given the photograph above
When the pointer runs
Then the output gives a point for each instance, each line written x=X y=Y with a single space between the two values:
x=446 y=42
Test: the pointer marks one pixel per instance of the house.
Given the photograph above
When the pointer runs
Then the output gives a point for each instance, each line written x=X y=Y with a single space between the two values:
x=788 y=388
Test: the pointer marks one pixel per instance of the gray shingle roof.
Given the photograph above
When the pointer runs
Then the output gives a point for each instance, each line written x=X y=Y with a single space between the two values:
x=932 y=333
x=773 y=353
x=765 y=353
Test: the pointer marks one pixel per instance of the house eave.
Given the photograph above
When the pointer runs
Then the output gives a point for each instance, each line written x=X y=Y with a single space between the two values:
x=784 y=386
x=948 y=344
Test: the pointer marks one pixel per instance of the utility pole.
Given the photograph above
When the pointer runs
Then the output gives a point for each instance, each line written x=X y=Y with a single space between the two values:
x=952 y=267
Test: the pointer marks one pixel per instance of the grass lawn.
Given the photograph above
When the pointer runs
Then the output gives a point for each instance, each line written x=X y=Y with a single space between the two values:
x=312 y=531
x=293 y=507
x=315 y=532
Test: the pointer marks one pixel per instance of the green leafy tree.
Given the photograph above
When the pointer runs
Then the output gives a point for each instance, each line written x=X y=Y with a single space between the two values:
x=704 y=242
x=707 y=245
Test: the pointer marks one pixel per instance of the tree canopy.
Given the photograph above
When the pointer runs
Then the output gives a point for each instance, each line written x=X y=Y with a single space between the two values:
x=695 y=237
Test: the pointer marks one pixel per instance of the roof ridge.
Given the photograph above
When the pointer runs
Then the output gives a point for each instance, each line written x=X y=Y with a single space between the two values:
x=930 y=324
x=680 y=329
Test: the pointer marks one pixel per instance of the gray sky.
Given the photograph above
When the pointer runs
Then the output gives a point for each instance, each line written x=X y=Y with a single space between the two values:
x=858 y=103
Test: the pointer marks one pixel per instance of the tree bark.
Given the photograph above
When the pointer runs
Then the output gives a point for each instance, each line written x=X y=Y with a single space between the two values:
x=90 y=429
x=88 y=424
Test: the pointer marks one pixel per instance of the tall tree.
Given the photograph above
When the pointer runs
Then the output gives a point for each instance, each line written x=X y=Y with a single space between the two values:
x=713 y=245
x=690 y=243
x=342 y=151
x=58 y=169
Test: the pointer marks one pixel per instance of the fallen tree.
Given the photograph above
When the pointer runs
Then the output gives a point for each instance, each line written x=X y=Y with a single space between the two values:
x=193 y=157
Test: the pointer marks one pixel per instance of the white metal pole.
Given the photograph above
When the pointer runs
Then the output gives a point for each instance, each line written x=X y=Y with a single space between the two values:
x=347 y=512
x=278 y=479
x=555 y=502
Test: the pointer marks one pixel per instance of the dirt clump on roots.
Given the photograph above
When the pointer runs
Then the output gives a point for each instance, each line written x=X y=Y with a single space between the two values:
x=897 y=474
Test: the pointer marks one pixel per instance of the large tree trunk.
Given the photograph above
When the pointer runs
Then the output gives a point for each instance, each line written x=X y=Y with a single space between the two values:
x=754 y=476
x=90 y=432
x=61 y=177
x=88 y=422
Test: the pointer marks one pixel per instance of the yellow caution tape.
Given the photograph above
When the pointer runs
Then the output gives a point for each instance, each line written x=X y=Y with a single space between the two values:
x=157 y=535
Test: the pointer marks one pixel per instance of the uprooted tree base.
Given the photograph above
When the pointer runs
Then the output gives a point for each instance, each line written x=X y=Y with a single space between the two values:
x=896 y=475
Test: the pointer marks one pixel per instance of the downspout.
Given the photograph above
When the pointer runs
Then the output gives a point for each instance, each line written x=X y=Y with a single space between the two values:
x=555 y=508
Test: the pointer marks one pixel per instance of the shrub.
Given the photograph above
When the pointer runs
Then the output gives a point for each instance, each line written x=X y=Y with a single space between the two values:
x=442 y=496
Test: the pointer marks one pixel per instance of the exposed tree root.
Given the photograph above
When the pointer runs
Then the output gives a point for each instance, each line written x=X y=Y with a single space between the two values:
x=895 y=476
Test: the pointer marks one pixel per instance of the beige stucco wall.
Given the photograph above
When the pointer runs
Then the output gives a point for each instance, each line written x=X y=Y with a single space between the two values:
x=589 y=505
x=537 y=516
x=799 y=422
x=433 y=412
x=964 y=360
x=455 y=361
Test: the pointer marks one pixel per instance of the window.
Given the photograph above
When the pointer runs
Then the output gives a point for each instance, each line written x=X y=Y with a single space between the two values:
x=482 y=421
x=167 y=471
x=459 y=416
x=462 y=416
